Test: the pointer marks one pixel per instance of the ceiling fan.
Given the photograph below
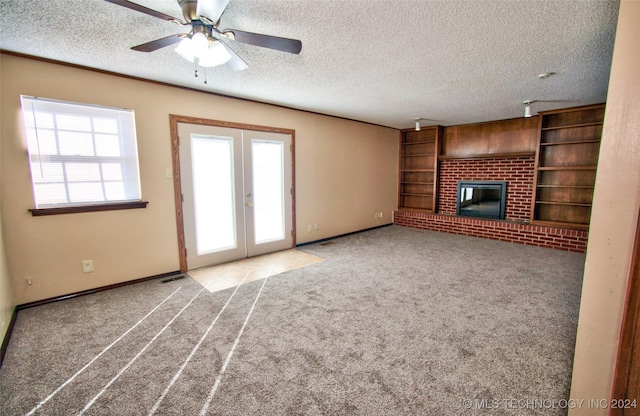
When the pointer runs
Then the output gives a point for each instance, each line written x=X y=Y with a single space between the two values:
x=206 y=41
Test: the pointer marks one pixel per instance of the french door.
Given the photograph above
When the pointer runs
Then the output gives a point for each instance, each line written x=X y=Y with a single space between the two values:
x=236 y=193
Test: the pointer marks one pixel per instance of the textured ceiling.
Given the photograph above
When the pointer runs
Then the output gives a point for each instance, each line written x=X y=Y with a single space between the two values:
x=379 y=61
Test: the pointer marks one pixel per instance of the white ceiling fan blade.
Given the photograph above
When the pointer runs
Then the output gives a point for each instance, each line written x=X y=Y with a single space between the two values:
x=236 y=63
x=211 y=9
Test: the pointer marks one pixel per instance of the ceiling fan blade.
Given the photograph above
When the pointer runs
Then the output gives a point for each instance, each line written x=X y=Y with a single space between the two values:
x=266 y=41
x=142 y=9
x=158 y=43
x=211 y=9
x=236 y=62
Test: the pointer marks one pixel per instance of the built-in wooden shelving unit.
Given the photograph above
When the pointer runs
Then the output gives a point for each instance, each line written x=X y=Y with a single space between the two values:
x=566 y=162
x=418 y=176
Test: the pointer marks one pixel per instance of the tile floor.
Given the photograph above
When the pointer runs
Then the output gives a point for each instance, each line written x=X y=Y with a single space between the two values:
x=224 y=276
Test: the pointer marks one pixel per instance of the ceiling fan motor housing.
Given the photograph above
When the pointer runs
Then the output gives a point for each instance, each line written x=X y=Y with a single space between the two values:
x=199 y=27
x=189 y=8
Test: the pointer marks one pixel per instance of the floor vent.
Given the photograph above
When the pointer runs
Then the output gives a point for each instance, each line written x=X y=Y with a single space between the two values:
x=171 y=279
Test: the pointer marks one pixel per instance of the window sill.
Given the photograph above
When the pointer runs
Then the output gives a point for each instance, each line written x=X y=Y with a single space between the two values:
x=37 y=212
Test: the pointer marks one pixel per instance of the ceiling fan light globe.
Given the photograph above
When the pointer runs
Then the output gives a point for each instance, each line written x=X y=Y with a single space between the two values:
x=199 y=41
x=216 y=55
x=186 y=50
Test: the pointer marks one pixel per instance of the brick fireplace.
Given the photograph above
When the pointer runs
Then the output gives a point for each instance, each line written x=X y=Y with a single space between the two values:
x=515 y=166
x=517 y=172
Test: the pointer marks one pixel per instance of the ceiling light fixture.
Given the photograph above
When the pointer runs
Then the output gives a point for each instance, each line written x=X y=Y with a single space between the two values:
x=545 y=75
x=209 y=52
x=417 y=123
x=527 y=107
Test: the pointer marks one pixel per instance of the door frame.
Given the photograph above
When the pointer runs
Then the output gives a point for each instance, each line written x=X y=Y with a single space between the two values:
x=626 y=369
x=177 y=180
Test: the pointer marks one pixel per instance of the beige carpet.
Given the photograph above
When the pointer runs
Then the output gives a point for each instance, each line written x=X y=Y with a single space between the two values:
x=394 y=322
x=224 y=276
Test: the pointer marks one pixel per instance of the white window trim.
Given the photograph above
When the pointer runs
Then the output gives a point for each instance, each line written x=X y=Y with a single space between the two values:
x=126 y=157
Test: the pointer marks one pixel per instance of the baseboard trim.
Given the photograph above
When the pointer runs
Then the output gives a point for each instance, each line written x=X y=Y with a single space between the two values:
x=342 y=235
x=98 y=289
x=7 y=335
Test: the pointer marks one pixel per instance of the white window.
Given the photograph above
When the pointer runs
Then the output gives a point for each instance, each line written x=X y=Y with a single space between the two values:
x=80 y=154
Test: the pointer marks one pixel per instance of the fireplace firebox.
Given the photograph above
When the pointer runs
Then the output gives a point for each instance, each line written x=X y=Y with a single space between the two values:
x=481 y=199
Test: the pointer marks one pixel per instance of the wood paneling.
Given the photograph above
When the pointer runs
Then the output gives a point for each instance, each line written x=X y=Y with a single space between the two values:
x=489 y=156
x=518 y=135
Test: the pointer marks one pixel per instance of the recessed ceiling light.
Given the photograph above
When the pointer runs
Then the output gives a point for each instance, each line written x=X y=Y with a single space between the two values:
x=545 y=75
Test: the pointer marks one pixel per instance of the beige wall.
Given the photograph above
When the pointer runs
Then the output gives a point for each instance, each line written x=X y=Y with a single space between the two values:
x=613 y=221
x=345 y=171
x=7 y=300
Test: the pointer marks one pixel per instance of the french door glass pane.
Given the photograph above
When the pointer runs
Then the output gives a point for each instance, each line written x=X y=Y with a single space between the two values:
x=268 y=190
x=213 y=191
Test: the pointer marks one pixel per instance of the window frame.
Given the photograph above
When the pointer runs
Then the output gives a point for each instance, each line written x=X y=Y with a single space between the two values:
x=127 y=157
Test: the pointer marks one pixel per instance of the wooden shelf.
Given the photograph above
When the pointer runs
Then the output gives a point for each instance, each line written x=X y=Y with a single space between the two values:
x=569 y=142
x=414 y=143
x=572 y=126
x=566 y=186
x=567 y=168
x=425 y=195
x=488 y=156
x=418 y=175
x=557 y=201
x=573 y=204
x=415 y=209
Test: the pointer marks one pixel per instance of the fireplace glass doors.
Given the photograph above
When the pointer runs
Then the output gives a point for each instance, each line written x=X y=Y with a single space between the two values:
x=481 y=199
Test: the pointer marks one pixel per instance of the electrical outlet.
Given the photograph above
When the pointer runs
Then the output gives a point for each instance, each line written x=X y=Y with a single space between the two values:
x=317 y=227
x=375 y=215
x=87 y=266
x=309 y=228
x=380 y=214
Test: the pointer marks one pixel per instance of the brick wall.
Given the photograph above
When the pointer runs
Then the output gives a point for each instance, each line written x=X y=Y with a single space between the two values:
x=518 y=172
x=535 y=235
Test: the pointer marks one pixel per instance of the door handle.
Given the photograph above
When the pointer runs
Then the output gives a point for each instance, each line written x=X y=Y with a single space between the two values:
x=249 y=204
